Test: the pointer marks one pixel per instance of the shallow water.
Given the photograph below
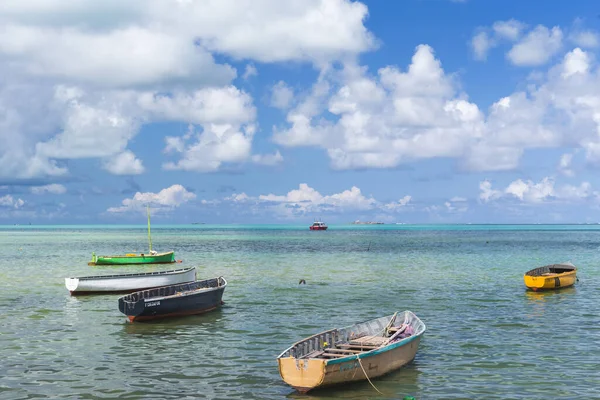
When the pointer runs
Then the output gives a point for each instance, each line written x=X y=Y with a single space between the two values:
x=487 y=337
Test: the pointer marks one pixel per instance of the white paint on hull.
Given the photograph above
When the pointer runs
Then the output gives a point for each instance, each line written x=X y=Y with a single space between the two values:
x=126 y=282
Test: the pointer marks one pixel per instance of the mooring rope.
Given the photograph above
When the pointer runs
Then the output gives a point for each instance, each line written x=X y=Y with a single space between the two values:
x=366 y=376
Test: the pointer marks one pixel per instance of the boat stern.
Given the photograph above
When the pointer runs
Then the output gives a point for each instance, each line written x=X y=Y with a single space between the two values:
x=302 y=374
x=71 y=284
x=534 y=282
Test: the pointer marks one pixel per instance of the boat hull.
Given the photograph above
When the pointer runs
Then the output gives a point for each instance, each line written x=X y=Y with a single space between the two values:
x=543 y=278
x=128 y=282
x=160 y=258
x=310 y=374
x=318 y=228
x=176 y=300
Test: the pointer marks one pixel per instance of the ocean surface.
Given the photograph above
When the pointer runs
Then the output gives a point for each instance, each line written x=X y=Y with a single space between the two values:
x=487 y=336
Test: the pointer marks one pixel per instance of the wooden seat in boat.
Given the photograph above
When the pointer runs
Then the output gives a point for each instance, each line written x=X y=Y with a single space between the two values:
x=373 y=340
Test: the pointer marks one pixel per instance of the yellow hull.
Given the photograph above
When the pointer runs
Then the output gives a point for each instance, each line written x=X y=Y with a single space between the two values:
x=551 y=281
x=308 y=374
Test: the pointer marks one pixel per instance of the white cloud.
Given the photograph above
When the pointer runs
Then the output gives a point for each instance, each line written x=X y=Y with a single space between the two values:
x=586 y=39
x=130 y=56
x=575 y=62
x=142 y=42
x=226 y=116
x=396 y=117
x=54 y=188
x=510 y=30
x=487 y=193
x=488 y=38
x=306 y=200
x=9 y=201
x=268 y=159
x=400 y=204
x=281 y=95
x=238 y=197
x=534 y=193
x=249 y=71
x=456 y=205
x=531 y=192
x=537 y=47
x=564 y=165
x=124 y=163
x=385 y=120
x=481 y=44
x=165 y=200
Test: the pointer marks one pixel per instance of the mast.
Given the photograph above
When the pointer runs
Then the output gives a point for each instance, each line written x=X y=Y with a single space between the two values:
x=149 y=237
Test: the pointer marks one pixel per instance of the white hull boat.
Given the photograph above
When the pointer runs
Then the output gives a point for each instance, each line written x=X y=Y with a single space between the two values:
x=128 y=282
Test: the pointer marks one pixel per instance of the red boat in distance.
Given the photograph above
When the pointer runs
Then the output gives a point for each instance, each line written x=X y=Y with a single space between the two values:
x=318 y=226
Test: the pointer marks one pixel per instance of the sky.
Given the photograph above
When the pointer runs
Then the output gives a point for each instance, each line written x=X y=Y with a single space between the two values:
x=264 y=111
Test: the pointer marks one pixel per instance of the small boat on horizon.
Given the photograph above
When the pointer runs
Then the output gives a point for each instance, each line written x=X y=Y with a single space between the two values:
x=553 y=276
x=318 y=226
x=357 y=352
x=152 y=257
x=126 y=283
x=175 y=300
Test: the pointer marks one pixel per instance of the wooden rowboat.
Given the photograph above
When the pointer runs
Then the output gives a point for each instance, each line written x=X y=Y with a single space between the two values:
x=128 y=282
x=554 y=276
x=175 y=300
x=357 y=352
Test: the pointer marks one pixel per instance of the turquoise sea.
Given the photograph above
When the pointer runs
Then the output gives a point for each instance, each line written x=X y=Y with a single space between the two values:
x=487 y=336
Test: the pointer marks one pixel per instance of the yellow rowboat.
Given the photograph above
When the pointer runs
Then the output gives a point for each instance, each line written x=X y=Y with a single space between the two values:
x=554 y=276
x=357 y=352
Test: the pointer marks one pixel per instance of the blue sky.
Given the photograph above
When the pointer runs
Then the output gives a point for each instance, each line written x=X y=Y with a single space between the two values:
x=416 y=111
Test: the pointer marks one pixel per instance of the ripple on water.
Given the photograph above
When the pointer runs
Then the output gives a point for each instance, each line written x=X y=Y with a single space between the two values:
x=487 y=338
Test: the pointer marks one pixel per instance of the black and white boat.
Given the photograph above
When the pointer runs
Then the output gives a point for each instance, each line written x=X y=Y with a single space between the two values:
x=127 y=283
x=175 y=300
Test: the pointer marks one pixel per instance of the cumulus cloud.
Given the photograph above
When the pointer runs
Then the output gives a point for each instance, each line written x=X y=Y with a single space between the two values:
x=400 y=204
x=140 y=62
x=481 y=44
x=487 y=193
x=53 y=188
x=564 y=164
x=281 y=95
x=488 y=38
x=400 y=116
x=124 y=163
x=305 y=200
x=165 y=200
x=386 y=120
x=537 y=47
x=587 y=39
x=528 y=191
x=510 y=30
x=249 y=71
x=11 y=202
x=268 y=159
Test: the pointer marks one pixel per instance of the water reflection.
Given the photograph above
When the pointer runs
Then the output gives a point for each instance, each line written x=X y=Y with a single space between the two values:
x=549 y=295
x=210 y=320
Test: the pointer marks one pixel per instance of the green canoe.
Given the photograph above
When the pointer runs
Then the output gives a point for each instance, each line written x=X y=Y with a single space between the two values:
x=152 y=258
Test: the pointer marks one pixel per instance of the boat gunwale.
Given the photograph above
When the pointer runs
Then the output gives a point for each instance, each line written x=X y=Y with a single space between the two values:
x=570 y=268
x=188 y=293
x=136 y=275
x=369 y=353
x=139 y=255
x=176 y=294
